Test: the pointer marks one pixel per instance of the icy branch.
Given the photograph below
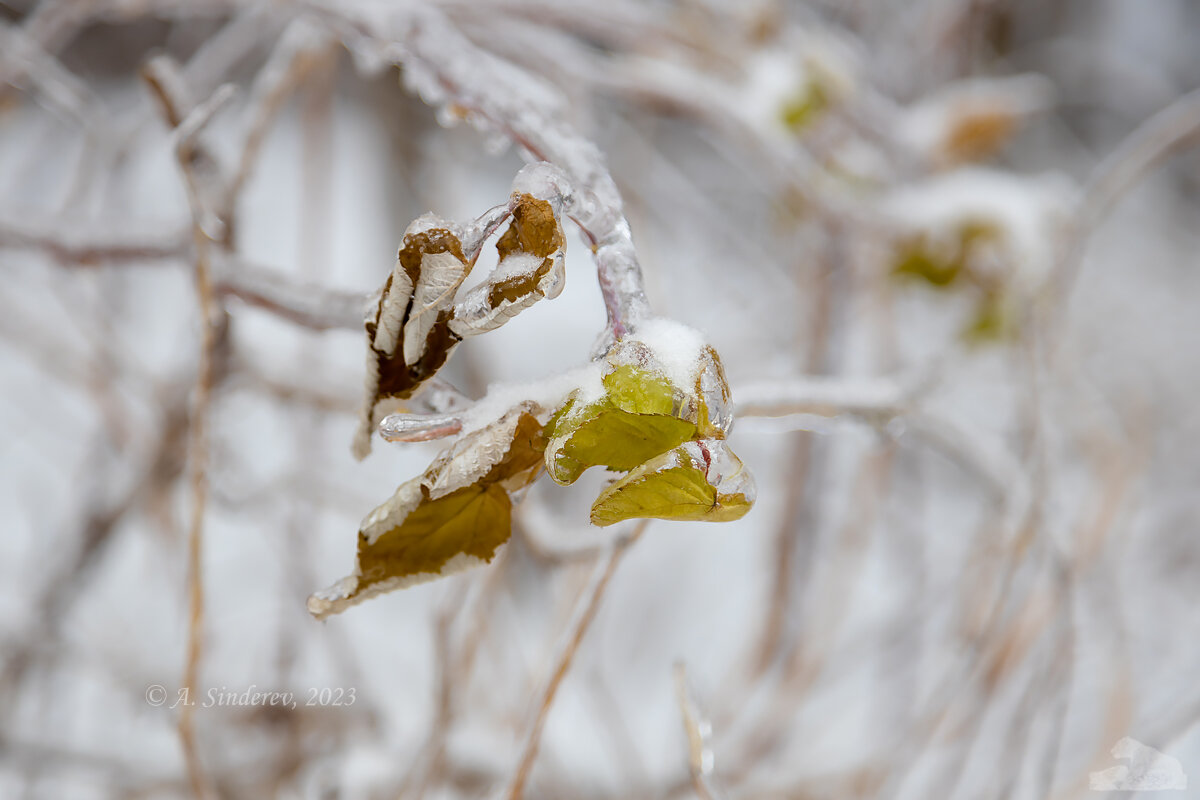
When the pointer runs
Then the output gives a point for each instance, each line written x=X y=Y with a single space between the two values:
x=871 y=399
x=453 y=74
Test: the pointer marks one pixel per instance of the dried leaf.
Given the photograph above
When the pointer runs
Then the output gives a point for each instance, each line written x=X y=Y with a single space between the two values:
x=408 y=336
x=531 y=268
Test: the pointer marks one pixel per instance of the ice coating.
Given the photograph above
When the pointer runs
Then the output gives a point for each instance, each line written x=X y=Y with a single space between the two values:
x=474 y=233
x=516 y=265
x=418 y=427
x=441 y=275
x=340 y=596
x=533 y=113
x=471 y=457
x=546 y=395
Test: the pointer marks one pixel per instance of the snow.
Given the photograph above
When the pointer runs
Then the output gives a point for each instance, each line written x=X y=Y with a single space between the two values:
x=517 y=265
x=1028 y=210
x=547 y=394
x=676 y=347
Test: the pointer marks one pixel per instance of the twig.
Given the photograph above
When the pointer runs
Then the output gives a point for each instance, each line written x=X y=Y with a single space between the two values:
x=874 y=400
x=306 y=304
x=1172 y=129
x=587 y=609
x=296 y=53
x=698 y=730
x=451 y=72
x=161 y=75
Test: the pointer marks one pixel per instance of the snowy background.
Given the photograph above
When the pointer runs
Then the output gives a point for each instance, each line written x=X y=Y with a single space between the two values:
x=969 y=573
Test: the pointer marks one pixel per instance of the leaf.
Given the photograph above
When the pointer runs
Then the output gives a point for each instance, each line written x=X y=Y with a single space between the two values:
x=417 y=539
x=531 y=268
x=408 y=333
x=701 y=480
x=454 y=516
x=802 y=109
x=636 y=419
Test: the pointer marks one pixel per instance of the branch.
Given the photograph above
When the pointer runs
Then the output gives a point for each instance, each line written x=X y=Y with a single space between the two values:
x=305 y=304
x=452 y=73
x=82 y=243
x=698 y=731
x=874 y=400
x=584 y=616
x=162 y=77
x=1172 y=129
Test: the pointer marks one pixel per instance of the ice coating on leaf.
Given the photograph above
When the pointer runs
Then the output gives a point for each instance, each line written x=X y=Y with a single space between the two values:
x=416 y=324
x=517 y=266
x=457 y=514
x=545 y=181
x=700 y=480
x=531 y=267
x=517 y=435
x=390 y=317
x=441 y=274
x=485 y=309
x=637 y=419
x=408 y=332
x=662 y=386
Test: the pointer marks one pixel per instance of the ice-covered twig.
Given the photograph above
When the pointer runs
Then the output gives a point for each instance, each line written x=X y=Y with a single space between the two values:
x=297 y=50
x=419 y=427
x=1170 y=130
x=698 y=731
x=79 y=242
x=315 y=307
x=875 y=400
x=452 y=73
x=879 y=402
x=585 y=612
x=161 y=75
x=61 y=89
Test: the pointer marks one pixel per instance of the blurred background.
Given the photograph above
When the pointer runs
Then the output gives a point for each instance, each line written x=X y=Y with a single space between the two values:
x=947 y=250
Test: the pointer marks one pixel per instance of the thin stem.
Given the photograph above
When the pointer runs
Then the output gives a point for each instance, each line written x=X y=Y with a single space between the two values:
x=587 y=612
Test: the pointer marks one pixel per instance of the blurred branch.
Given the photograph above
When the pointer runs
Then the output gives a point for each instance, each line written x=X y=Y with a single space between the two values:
x=162 y=77
x=1171 y=130
x=698 y=731
x=585 y=613
x=875 y=400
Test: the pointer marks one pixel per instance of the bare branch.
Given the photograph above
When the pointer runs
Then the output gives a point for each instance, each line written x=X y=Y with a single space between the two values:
x=586 y=612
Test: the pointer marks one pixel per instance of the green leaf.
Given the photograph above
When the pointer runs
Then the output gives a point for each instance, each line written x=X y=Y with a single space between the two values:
x=805 y=107
x=700 y=480
x=472 y=522
x=637 y=419
x=640 y=391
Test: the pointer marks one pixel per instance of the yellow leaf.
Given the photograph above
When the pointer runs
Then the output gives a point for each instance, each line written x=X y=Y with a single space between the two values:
x=454 y=516
x=701 y=480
